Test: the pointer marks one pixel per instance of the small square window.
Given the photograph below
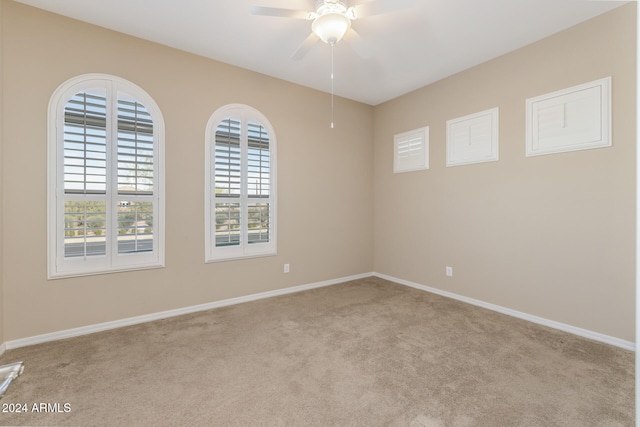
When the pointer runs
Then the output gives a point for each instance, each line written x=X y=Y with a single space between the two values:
x=411 y=151
x=473 y=138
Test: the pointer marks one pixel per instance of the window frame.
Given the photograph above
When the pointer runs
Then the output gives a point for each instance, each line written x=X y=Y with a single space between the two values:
x=416 y=159
x=244 y=250
x=115 y=89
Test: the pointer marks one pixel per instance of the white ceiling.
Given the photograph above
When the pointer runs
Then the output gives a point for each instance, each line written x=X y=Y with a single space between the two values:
x=410 y=48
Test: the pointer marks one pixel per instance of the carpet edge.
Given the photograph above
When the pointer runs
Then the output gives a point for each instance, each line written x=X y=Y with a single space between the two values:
x=585 y=333
x=129 y=321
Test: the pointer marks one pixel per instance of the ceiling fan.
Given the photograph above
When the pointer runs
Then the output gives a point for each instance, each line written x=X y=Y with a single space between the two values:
x=332 y=21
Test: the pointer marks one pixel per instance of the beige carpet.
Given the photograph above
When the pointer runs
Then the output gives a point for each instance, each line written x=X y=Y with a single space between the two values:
x=363 y=353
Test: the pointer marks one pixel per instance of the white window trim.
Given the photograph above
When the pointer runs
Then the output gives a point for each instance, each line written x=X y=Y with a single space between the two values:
x=242 y=251
x=58 y=266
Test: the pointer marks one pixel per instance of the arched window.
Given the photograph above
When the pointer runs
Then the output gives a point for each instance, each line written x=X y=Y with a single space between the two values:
x=240 y=187
x=106 y=178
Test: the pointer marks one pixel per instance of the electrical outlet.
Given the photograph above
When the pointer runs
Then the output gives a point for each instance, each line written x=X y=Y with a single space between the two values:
x=287 y=268
x=449 y=271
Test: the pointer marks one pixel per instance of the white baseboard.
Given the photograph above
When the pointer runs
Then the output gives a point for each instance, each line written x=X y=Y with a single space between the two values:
x=84 y=330
x=69 y=333
x=627 y=345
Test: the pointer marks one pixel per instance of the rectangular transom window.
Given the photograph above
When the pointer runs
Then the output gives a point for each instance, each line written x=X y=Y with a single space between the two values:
x=576 y=118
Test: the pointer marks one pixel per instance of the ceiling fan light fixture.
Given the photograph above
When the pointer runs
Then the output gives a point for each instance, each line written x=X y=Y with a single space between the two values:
x=332 y=22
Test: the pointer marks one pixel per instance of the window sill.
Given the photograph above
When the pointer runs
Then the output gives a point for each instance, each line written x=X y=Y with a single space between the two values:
x=68 y=274
x=212 y=260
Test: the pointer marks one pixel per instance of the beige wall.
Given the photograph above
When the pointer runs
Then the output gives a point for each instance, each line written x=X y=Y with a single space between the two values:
x=552 y=236
x=1 y=179
x=324 y=177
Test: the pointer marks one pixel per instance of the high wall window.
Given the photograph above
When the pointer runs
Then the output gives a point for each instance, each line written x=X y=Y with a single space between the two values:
x=106 y=187
x=240 y=165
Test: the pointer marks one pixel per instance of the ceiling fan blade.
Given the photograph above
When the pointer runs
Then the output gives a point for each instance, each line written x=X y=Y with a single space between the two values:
x=379 y=7
x=358 y=44
x=282 y=13
x=305 y=47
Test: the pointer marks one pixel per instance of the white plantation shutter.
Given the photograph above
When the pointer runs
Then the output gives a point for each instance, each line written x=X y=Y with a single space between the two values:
x=105 y=165
x=135 y=148
x=411 y=150
x=575 y=118
x=227 y=158
x=135 y=163
x=258 y=183
x=240 y=167
x=85 y=144
x=85 y=175
x=227 y=173
x=473 y=138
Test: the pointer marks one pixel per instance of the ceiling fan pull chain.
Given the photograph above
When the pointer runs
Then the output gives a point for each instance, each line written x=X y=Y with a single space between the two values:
x=332 y=85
